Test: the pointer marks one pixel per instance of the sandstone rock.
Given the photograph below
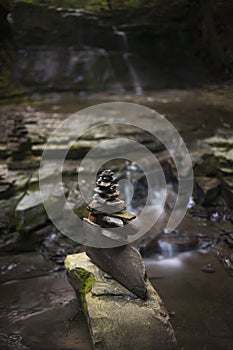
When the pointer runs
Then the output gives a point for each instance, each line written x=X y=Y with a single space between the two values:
x=117 y=319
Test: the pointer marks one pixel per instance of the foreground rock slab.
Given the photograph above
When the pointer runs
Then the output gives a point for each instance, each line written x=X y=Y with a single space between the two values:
x=117 y=319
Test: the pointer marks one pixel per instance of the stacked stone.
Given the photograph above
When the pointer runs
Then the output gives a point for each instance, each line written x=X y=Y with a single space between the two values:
x=106 y=195
x=107 y=210
x=19 y=147
x=105 y=227
x=6 y=185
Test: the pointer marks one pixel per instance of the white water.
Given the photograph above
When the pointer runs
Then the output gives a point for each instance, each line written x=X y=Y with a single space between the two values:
x=109 y=74
x=167 y=249
x=134 y=77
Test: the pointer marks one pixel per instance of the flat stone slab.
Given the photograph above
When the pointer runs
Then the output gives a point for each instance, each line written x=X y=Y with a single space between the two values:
x=30 y=211
x=118 y=320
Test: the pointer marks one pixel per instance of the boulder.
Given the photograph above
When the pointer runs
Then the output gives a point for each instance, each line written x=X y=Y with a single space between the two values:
x=118 y=320
x=30 y=211
x=208 y=189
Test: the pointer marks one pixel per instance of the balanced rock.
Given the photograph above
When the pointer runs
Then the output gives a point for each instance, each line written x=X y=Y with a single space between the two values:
x=124 y=264
x=117 y=319
x=102 y=227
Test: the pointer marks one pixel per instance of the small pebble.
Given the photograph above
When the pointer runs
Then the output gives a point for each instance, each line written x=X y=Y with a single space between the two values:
x=172 y=313
x=208 y=268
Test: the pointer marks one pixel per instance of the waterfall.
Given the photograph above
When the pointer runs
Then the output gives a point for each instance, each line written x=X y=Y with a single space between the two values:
x=167 y=249
x=110 y=74
x=125 y=54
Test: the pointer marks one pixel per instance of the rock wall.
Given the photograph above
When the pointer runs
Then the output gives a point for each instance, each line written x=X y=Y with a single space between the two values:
x=67 y=49
x=58 y=49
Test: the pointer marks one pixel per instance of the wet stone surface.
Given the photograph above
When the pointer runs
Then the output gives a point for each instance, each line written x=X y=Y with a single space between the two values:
x=41 y=313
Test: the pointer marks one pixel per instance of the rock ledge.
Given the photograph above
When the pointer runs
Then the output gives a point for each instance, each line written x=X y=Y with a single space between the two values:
x=117 y=318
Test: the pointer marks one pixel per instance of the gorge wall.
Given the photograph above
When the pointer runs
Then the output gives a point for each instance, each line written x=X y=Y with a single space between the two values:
x=58 y=49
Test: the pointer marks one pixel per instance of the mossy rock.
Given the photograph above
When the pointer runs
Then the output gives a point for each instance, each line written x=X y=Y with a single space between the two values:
x=118 y=319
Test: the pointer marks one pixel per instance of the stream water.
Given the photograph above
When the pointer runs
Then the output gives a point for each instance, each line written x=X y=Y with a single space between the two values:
x=38 y=306
x=200 y=304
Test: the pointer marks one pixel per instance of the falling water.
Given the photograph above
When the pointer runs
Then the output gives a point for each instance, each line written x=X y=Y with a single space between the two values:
x=167 y=249
x=135 y=80
x=109 y=73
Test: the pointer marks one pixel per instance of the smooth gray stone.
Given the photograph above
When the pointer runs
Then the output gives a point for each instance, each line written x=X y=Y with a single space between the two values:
x=124 y=264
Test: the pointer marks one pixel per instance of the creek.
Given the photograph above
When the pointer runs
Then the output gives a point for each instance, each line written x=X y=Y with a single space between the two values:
x=39 y=309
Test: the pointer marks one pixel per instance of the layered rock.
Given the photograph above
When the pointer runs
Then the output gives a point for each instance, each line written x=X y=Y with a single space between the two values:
x=19 y=147
x=6 y=184
x=117 y=318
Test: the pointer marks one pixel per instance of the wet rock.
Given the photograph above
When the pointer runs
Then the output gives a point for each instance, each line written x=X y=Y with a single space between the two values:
x=117 y=319
x=12 y=342
x=21 y=181
x=76 y=150
x=226 y=228
x=215 y=155
x=56 y=246
x=204 y=242
x=7 y=212
x=47 y=171
x=30 y=212
x=208 y=268
x=23 y=241
x=205 y=163
x=200 y=213
x=207 y=189
x=3 y=152
x=124 y=264
x=229 y=240
x=227 y=191
x=19 y=147
x=6 y=184
x=79 y=149
x=21 y=266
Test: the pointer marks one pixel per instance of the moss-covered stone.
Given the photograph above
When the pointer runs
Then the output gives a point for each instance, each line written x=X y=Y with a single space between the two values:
x=86 y=281
x=117 y=318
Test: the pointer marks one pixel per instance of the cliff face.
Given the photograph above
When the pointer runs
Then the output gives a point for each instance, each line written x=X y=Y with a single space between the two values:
x=59 y=49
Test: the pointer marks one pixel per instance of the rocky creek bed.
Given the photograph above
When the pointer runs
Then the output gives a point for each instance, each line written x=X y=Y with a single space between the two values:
x=38 y=306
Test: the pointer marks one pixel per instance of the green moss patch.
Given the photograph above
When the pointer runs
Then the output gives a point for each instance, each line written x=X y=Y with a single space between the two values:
x=85 y=280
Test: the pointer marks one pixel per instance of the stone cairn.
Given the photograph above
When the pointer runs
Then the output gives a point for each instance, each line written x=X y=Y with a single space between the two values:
x=106 y=209
x=106 y=213
x=123 y=310
x=19 y=147
x=6 y=184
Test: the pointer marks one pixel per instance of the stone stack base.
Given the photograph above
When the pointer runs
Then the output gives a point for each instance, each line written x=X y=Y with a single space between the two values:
x=117 y=318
